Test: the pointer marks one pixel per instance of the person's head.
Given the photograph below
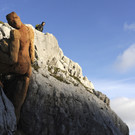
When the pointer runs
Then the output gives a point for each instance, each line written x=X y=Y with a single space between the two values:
x=14 y=20
x=43 y=23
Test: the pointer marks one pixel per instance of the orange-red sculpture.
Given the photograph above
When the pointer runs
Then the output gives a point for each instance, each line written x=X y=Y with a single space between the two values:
x=18 y=58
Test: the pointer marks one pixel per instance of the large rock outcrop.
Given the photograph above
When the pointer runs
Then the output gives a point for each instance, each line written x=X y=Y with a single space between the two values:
x=60 y=100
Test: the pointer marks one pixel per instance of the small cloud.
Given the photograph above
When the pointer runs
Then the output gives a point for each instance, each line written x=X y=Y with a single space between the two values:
x=116 y=88
x=129 y=26
x=126 y=60
x=125 y=108
x=4 y=8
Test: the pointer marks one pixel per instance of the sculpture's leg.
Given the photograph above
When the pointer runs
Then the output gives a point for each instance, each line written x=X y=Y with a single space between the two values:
x=20 y=94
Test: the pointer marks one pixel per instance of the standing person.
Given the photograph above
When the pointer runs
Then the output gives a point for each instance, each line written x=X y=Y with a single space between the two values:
x=40 y=27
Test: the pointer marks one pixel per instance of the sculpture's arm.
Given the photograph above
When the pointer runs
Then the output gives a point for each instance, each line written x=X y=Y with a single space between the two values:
x=32 y=48
x=11 y=57
x=14 y=46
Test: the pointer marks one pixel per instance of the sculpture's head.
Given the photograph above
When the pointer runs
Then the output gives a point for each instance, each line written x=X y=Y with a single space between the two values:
x=14 y=20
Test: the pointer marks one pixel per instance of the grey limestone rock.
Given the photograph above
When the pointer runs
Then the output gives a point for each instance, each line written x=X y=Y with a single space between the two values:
x=53 y=107
x=7 y=115
x=50 y=55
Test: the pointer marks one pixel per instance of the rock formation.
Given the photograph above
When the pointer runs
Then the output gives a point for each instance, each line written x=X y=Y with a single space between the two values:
x=60 y=100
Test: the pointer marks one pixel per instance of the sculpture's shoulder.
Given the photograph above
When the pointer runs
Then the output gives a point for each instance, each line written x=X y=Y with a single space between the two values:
x=31 y=32
x=15 y=34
